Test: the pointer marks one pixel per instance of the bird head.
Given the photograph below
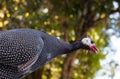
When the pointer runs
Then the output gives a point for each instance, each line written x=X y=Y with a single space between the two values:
x=89 y=45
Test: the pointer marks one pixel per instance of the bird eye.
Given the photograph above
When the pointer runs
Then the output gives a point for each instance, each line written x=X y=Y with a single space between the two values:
x=92 y=42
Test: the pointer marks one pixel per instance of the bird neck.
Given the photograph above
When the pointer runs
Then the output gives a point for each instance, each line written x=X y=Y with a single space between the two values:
x=78 y=45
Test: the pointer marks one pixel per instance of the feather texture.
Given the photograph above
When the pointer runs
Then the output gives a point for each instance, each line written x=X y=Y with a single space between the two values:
x=20 y=47
x=22 y=51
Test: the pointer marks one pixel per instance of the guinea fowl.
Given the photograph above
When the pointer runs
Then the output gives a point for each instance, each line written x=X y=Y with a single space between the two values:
x=23 y=51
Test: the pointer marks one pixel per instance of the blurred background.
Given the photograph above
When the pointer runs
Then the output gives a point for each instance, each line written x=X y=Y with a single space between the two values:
x=69 y=20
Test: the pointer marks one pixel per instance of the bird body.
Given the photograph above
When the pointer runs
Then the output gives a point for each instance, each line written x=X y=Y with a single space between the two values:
x=22 y=51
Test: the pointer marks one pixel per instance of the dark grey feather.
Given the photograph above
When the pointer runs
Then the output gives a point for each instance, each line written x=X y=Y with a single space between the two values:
x=25 y=50
x=18 y=46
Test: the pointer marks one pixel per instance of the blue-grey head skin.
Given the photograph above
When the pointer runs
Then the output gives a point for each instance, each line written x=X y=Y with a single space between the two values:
x=23 y=51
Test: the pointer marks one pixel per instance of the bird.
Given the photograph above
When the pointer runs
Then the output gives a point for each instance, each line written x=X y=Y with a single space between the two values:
x=24 y=50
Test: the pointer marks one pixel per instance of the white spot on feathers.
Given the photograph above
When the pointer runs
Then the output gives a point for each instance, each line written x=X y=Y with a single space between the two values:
x=48 y=55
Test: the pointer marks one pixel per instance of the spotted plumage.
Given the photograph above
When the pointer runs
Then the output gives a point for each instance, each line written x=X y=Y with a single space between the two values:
x=22 y=51
x=17 y=47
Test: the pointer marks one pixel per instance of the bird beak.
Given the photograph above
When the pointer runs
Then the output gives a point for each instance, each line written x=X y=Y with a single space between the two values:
x=94 y=49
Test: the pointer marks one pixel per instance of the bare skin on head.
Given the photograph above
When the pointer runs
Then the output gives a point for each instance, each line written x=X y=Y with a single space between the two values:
x=87 y=41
